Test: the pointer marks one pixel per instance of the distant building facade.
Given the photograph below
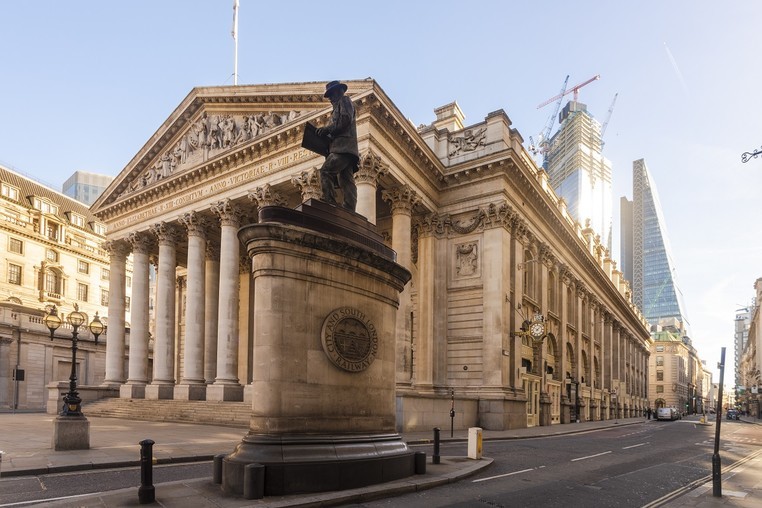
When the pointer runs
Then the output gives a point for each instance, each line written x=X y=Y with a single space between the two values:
x=86 y=187
x=676 y=372
x=750 y=362
x=579 y=173
x=489 y=244
x=52 y=254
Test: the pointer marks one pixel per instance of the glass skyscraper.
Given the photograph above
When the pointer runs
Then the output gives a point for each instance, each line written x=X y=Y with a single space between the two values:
x=646 y=253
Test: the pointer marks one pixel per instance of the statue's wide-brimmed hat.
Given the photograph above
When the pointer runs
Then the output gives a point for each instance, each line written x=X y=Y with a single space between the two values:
x=333 y=85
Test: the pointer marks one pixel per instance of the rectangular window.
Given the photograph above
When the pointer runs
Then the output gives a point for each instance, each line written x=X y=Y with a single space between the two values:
x=659 y=361
x=14 y=274
x=16 y=245
x=77 y=220
x=10 y=192
x=660 y=375
x=129 y=281
x=83 y=266
x=127 y=304
x=81 y=292
x=659 y=349
x=104 y=297
x=659 y=388
x=51 y=255
x=99 y=229
x=105 y=273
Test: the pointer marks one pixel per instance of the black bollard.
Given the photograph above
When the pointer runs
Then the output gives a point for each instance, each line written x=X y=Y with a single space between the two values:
x=217 y=468
x=146 y=492
x=435 y=457
x=420 y=462
x=253 y=481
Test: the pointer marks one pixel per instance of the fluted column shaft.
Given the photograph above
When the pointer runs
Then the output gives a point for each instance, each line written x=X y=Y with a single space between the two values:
x=227 y=314
x=137 y=370
x=118 y=251
x=211 y=302
x=402 y=200
x=164 y=344
x=193 y=364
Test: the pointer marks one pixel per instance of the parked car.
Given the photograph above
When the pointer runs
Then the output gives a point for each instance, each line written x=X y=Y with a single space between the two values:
x=667 y=413
x=733 y=414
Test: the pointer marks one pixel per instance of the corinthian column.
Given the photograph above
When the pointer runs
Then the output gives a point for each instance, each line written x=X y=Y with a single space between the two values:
x=162 y=385
x=211 y=302
x=371 y=168
x=226 y=386
x=192 y=383
x=118 y=251
x=137 y=373
x=402 y=200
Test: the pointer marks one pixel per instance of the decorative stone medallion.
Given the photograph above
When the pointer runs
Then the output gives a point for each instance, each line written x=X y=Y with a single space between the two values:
x=349 y=339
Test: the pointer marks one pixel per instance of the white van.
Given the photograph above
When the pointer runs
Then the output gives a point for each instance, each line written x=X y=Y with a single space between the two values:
x=666 y=413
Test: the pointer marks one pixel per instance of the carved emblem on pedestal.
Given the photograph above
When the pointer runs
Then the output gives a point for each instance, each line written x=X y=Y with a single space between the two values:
x=349 y=339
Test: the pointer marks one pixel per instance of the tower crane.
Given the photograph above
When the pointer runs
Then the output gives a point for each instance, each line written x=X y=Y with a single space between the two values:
x=574 y=89
x=544 y=136
x=608 y=117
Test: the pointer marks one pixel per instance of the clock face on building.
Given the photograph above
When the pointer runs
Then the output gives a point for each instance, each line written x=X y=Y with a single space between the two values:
x=537 y=330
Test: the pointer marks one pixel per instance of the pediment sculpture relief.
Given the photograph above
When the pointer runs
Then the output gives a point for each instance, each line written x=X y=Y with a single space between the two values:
x=208 y=136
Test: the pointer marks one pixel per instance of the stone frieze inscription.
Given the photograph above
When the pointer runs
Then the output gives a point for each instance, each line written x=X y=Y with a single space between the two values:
x=215 y=187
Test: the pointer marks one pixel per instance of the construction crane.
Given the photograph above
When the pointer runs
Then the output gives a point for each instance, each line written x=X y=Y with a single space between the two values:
x=541 y=145
x=574 y=89
x=608 y=117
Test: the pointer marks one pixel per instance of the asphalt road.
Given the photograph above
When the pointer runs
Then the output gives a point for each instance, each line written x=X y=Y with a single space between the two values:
x=620 y=467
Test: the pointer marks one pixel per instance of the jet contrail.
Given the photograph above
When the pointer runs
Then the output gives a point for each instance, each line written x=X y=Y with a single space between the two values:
x=677 y=69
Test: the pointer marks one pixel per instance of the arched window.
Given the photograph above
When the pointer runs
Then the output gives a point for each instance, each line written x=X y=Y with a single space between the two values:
x=53 y=283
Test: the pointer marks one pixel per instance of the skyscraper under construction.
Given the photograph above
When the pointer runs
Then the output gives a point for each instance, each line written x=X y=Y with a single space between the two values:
x=578 y=171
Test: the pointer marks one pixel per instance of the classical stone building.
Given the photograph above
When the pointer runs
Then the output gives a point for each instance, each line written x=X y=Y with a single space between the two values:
x=52 y=254
x=490 y=247
x=750 y=362
x=676 y=372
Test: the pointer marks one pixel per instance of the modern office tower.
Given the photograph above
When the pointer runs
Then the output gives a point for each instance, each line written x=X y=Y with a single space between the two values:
x=86 y=187
x=649 y=259
x=741 y=336
x=625 y=238
x=579 y=172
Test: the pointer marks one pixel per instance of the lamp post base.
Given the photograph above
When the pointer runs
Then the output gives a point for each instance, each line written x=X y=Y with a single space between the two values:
x=71 y=433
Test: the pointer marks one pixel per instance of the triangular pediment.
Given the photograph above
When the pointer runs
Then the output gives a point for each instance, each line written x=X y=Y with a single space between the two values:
x=213 y=121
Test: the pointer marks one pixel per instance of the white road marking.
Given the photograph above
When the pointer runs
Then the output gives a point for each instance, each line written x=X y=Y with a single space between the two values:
x=507 y=474
x=31 y=501
x=634 y=446
x=590 y=456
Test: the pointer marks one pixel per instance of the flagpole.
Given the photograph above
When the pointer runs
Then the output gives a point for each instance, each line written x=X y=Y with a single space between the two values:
x=235 y=39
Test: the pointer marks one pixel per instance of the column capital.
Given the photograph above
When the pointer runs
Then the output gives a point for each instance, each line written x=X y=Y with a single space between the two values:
x=228 y=213
x=141 y=242
x=167 y=234
x=195 y=223
x=371 y=168
x=117 y=249
x=267 y=196
x=181 y=282
x=402 y=199
x=308 y=183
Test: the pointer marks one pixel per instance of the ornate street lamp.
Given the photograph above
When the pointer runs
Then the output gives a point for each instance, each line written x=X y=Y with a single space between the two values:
x=747 y=156
x=72 y=402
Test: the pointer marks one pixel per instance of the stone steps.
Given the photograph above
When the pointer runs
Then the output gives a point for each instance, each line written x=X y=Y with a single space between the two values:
x=229 y=414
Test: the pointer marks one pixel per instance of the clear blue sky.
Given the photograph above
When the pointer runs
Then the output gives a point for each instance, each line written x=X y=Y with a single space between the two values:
x=85 y=84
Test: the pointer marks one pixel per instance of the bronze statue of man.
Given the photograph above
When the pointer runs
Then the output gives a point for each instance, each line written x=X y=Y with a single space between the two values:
x=342 y=161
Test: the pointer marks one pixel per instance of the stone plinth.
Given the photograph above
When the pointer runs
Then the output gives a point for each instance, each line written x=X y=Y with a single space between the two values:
x=159 y=391
x=71 y=433
x=323 y=388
